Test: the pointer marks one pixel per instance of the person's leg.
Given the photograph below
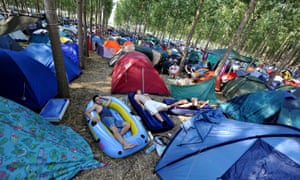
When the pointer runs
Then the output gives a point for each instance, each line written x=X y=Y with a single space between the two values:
x=158 y=116
x=126 y=127
x=118 y=136
x=109 y=122
x=195 y=102
x=178 y=103
x=155 y=107
x=203 y=103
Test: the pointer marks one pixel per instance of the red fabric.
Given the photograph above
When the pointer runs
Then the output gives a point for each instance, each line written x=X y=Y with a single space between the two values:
x=89 y=45
x=128 y=75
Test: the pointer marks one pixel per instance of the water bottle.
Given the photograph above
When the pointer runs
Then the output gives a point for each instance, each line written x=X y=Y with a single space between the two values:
x=150 y=136
x=158 y=141
x=160 y=149
x=150 y=149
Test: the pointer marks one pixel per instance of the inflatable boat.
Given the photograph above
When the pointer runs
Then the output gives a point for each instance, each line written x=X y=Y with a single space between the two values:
x=104 y=137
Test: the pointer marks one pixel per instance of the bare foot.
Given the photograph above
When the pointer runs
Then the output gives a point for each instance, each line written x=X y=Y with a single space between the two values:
x=128 y=146
x=204 y=103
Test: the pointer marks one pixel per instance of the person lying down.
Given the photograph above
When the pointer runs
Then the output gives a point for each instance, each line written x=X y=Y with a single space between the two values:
x=193 y=103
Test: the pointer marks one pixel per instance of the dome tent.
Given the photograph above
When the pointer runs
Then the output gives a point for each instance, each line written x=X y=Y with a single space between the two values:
x=135 y=71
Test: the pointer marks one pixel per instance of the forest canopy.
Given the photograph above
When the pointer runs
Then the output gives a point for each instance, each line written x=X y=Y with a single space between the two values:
x=272 y=30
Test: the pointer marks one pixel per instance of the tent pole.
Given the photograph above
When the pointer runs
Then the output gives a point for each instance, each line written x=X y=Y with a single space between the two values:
x=24 y=97
x=143 y=86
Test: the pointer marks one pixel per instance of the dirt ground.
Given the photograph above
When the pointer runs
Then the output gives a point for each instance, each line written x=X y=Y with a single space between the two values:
x=96 y=79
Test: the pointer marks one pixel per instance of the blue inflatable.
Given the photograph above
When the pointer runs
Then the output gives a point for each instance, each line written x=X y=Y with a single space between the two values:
x=105 y=139
x=150 y=121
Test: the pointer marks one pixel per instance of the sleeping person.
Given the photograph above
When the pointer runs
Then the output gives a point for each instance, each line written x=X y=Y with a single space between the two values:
x=154 y=107
x=193 y=104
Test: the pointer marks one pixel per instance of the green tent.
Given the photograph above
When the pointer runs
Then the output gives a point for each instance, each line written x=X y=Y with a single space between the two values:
x=215 y=55
x=243 y=85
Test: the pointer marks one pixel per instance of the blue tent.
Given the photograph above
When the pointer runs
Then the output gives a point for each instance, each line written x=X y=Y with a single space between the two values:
x=97 y=40
x=24 y=80
x=41 y=37
x=70 y=50
x=209 y=146
x=33 y=148
x=43 y=54
x=6 y=42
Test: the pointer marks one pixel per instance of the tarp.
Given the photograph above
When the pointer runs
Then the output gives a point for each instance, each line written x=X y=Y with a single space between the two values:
x=25 y=81
x=14 y=23
x=43 y=53
x=18 y=36
x=33 y=148
x=204 y=90
x=232 y=55
x=134 y=71
x=210 y=146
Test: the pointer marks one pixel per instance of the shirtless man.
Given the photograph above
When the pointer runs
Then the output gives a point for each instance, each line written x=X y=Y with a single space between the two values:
x=154 y=107
x=101 y=107
x=185 y=103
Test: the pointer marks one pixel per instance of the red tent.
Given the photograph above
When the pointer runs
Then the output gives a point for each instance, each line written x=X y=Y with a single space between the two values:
x=135 y=71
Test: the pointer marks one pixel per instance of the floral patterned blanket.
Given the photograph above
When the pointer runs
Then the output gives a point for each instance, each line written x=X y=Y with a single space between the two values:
x=33 y=148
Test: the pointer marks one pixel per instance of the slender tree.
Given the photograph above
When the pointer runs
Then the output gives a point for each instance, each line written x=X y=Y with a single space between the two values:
x=63 y=88
x=237 y=35
x=80 y=34
x=190 y=35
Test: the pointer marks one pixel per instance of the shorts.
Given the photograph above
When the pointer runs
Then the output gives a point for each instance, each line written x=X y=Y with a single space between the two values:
x=111 y=121
x=153 y=106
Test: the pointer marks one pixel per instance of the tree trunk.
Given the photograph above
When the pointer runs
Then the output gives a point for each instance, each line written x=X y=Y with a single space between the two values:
x=293 y=53
x=211 y=32
x=4 y=7
x=80 y=34
x=63 y=88
x=91 y=24
x=190 y=35
x=237 y=35
x=84 y=24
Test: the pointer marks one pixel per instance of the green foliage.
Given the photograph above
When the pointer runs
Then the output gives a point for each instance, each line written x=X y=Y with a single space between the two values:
x=272 y=19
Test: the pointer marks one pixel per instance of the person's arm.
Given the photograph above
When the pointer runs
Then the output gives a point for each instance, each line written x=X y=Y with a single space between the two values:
x=108 y=100
x=88 y=113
